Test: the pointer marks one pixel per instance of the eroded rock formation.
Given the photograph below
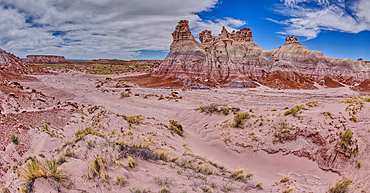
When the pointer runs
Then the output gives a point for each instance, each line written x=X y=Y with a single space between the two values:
x=45 y=59
x=9 y=63
x=236 y=57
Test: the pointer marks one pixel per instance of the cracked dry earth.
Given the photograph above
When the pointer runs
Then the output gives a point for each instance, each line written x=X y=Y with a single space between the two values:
x=102 y=128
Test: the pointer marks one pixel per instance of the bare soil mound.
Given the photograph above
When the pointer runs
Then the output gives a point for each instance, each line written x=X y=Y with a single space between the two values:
x=286 y=80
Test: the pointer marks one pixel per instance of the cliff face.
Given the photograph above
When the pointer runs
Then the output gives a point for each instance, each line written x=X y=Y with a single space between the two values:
x=236 y=57
x=45 y=59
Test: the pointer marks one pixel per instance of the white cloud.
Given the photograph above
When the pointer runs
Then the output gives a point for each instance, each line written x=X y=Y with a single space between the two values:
x=325 y=15
x=98 y=28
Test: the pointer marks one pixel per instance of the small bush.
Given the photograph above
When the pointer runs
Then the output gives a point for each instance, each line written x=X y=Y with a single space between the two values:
x=294 y=110
x=175 y=126
x=346 y=138
x=4 y=190
x=342 y=186
x=218 y=109
x=164 y=190
x=259 y=185
x=14 y=139
x=239 y=119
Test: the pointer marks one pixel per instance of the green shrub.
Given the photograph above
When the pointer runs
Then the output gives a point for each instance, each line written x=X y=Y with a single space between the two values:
x=239 y=119
x=218 y=109
x=294 y=110
x=346 y=138
x=175 y=126
x=342 y=186
x=14 y=139
x=134 y=119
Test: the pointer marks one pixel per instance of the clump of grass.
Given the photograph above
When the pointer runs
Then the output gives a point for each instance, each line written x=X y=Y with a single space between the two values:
x=138 y=119
x=162 y=155
x=346 y=137
x=131 y=162
x=284 y=132
x=327 y=113
x=259 y=185
x=35 y=169
x=164 y=190
x=124 y=95
x=120 y=181
x=218 y=109
x=14 y=139
x=238 y=174
x=346 y=143
x=239 y=118
x=290 y=189
x=342 y=186
x=311 y=103
x=80 y=134
x=97 y=168
x=176 y=127
x=205 y=169
x=91 y=110
x=294 y=110
x=285 y=179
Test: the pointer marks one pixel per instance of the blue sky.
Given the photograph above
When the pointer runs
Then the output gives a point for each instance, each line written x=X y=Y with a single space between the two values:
x=141 y=29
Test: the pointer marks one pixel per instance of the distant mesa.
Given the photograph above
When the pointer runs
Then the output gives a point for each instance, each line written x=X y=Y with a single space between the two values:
x=46 y=59
x=236 y=57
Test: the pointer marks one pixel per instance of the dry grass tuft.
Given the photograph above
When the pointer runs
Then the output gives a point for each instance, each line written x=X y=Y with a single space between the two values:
x=238 y=174
x=35 y=169
x=285 y=179
x=239 y=119
x=120 y=181
x=342 y=186
x=97 y=168
x=290 y=189
x=131 y=162
x=162 y=155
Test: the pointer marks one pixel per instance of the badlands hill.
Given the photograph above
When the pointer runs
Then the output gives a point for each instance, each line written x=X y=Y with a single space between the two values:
x=236 y=57
x=9 y=63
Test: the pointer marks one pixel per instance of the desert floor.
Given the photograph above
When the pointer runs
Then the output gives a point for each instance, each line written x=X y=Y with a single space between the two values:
x=205 y=157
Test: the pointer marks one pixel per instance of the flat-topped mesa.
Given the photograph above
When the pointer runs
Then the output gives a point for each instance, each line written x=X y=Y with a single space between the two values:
x=45 y=59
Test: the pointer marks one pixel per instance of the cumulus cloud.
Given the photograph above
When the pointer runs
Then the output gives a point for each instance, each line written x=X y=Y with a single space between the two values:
x=309 y=17
x=99 y=28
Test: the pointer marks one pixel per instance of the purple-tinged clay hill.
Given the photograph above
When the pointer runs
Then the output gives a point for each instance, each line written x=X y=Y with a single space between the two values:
x=236 y=57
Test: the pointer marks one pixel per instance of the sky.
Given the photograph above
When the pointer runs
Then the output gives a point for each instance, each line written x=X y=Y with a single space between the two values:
x=141 y=29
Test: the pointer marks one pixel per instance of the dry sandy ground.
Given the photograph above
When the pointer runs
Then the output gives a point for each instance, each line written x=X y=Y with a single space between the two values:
x=209 y=151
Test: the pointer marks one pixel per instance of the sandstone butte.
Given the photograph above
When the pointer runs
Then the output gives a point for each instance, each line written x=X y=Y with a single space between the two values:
x=236 y=57
x=45 y=59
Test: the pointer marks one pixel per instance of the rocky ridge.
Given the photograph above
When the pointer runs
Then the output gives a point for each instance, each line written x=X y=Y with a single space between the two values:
x=236 y=57
x=9 y=63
